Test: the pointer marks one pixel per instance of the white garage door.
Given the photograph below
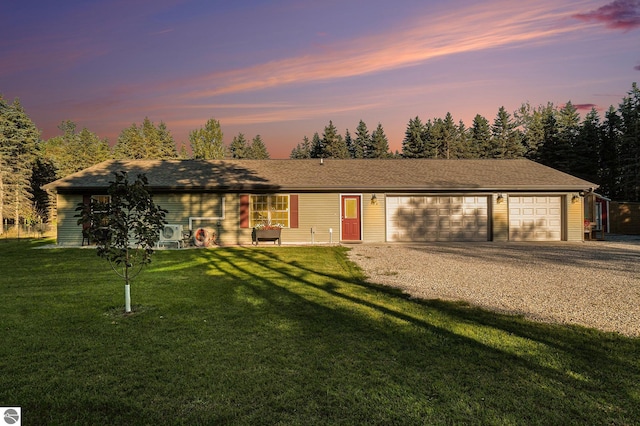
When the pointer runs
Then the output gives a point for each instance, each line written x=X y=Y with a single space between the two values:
x=437 y=218
x=535 y=218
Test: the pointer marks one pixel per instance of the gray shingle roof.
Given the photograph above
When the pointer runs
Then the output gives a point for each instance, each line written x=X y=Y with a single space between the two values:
x=332 y=175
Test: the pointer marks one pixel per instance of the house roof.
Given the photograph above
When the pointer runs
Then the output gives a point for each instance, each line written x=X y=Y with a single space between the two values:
x=400 y=175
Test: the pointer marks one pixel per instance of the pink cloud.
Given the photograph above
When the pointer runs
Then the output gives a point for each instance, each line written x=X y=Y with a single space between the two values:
x=585 y=107
x=617 y=15
x=408 y=46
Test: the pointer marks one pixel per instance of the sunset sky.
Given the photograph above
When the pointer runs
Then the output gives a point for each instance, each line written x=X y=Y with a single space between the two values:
x=284 y=68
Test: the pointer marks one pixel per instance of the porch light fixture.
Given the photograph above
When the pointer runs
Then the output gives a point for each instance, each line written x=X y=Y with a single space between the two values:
x=500 y=199
x=374 y=200
x=575 y=198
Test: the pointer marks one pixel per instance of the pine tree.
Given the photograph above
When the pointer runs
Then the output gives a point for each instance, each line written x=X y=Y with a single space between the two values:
x=146 y=142
x=302 y=150
x=413 y=145
x=19 y=140
x=317 y=147
x=348 y=140
x=73 y=151
x=464 y=142
x=183 y=154
x=531 y=122
x=609 y=157
x=207 y=143
x=506 y=141
x=480 y=137
x=568 y=130
x=547 y=152
x=379 y=144
x=257 y=150
x=334 y=145
x=436 y=138
x=587 y=148
x=238 y=148
x=449 y=144
x=630 y=145
x=166 y=144
x=362 y=143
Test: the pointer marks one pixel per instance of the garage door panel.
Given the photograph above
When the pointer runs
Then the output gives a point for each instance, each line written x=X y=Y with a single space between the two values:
x=535 y=218
x=437 y=218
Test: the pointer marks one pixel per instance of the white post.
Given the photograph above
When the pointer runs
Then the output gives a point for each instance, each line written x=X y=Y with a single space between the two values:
x=127 y=298
x=330 y=236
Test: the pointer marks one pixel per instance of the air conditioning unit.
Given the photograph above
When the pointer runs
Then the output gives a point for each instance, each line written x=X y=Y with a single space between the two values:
x=171 y=233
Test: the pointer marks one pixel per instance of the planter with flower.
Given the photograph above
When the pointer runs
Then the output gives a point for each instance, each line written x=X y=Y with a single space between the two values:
x=266 y=232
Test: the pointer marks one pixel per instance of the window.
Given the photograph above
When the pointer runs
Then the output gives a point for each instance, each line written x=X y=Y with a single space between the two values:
x=100 y=206
x=100 y=200
x=269 y=210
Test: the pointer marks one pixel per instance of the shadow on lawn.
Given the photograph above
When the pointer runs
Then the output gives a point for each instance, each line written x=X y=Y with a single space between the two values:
x=451 y=340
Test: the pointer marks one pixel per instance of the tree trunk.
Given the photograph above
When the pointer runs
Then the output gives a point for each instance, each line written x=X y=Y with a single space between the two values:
x=127 y=298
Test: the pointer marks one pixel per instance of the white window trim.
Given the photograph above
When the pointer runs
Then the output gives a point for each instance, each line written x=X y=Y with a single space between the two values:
x=251 y=224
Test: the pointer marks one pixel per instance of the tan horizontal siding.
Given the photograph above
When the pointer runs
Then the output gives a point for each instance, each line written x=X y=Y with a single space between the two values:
x=500 y=218
x=575 y=218
x=320 y=212
x=69 y=232
x=183 y=206
x=373 y=216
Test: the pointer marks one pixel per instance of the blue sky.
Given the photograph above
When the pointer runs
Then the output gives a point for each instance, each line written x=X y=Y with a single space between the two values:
x=283 y=69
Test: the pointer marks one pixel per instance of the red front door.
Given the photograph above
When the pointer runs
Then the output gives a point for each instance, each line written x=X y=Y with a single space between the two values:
x=351 y=217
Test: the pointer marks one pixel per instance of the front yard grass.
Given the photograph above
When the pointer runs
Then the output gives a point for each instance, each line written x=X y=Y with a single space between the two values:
x=285 y=335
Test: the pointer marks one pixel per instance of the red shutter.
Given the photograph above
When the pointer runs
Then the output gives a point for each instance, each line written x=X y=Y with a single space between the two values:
x=293 y=211
x=244 y=211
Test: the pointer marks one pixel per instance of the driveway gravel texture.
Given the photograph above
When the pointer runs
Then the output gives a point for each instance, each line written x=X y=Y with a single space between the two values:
x=593 y=283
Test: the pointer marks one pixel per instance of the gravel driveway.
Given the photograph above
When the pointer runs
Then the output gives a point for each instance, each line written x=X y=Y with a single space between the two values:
x=594 y=284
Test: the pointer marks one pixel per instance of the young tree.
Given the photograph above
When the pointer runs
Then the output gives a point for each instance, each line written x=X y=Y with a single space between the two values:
x=257 y=150
x=207 y=143
x=126 y=229
x=238 y=147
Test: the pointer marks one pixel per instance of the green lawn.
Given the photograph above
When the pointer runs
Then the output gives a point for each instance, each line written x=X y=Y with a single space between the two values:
x=285 y=335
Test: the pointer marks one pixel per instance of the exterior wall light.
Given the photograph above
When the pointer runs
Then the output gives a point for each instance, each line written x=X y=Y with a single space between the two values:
x=500 y=199
x=374 y=200
x=575 y=198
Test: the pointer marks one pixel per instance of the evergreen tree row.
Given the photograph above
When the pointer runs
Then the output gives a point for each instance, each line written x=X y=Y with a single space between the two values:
x=333 y=145
x=604 y=151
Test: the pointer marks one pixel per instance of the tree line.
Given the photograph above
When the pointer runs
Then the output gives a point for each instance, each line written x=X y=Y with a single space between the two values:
x=27 y=162
x=604 y=150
